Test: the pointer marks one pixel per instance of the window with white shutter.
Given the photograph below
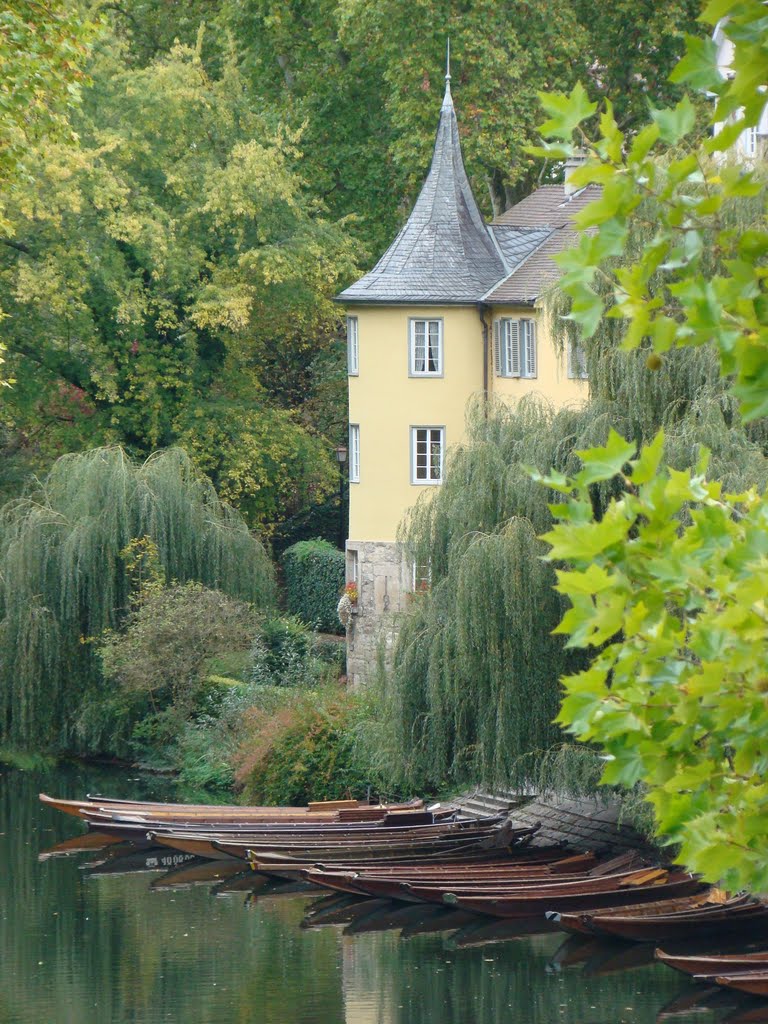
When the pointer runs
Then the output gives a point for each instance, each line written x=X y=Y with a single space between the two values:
x=353 y=350
x=354 y=453
x=427 y=455
x=515 y=347
x=425 y=348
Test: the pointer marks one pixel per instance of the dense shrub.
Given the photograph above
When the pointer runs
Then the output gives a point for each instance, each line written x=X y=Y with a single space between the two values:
x=314 y=579
x=304 y=751
x=286 y=653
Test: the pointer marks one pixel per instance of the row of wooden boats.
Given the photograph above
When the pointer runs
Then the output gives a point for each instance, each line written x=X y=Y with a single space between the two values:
x=408 y=854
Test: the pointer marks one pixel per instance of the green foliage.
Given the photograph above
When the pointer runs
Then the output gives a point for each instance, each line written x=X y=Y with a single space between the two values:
x=366 y=79
x=666 y=292
x=669 y=587
x=209 y=295
x=285 y=653
x=43 y=49
x=164 y=648
x=63 y=579
x=314 y=580
x=666 y=581
x=304 y=752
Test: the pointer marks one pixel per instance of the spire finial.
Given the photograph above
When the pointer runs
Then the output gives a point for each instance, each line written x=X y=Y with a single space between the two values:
x=448 y=61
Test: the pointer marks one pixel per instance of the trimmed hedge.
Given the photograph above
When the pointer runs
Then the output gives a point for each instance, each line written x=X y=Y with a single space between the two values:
x=314 y=579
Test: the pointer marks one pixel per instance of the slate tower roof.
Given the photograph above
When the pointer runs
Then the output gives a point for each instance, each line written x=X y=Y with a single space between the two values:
x=445 y=253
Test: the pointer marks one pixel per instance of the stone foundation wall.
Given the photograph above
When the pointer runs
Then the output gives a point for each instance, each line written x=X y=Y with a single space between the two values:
x=383 y=583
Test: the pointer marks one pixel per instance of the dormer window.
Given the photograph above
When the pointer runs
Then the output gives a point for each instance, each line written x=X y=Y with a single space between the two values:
x=516 y=348
x=425 y=348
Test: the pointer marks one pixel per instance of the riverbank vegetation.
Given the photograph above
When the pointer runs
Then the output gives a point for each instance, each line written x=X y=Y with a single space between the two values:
x=172 y=234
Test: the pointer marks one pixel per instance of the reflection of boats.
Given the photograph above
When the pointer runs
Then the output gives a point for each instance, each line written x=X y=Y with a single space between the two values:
x=576 y=949
x=241 y=881
x=610 y=960
x=481 y=932
x=198 y=872
x=437 y=919
x=154 y=859
x=388 y=917
x=89 y=842
x=755 y=1013
x=346 y=909
x=695 y=1000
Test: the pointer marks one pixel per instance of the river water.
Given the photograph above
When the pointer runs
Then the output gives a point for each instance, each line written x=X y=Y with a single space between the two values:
x=80 y=945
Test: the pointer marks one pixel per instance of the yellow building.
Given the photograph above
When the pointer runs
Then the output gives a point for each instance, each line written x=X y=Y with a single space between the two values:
x=451 y=310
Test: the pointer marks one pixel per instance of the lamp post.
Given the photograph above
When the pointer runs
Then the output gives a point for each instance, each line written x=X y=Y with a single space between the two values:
x=341 y=458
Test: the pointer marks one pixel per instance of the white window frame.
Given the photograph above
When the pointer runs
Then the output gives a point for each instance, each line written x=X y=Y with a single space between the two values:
x=516 y=347
x=353 y=566
x=434 y=434
x=421 y=577
x=353 y=346
x=577 y=361
x=749 y=142
x=354 y=453
x=428 y=325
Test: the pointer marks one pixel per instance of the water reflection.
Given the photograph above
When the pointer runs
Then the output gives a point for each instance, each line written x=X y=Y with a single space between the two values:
x=206 y=943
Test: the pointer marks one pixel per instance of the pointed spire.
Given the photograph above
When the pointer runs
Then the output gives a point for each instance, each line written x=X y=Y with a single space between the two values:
x=444 y=252
x=447 y=99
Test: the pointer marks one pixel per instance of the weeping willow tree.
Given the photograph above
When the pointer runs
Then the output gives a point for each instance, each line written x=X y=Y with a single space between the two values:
x=473 y=686
x=63 y=581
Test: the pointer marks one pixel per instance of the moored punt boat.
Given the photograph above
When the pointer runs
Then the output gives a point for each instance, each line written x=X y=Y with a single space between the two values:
x=186 y=812
x=716 y=963
x=413 y=842
x=407 y=886
x=294 y=869
x=475 y=872
x=580 y=922
x=587 y=894
x=136 y=829
x=740 y=916
x=753 y=982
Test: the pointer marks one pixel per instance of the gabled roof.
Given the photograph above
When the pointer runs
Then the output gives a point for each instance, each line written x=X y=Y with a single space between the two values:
x=445 y=253
x=550 y=210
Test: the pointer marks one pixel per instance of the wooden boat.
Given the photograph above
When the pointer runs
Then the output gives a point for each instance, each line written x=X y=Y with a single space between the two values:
x=294 y=869
x=367 y=851
x=585 y=894
x=190 y=812
x=714 y=964
x=386 y=881
x=410 y=886
x=390 y=826
x=753 y=982
x=513 y=880
x=580 y=922
x=740 y=914
x=474 y=870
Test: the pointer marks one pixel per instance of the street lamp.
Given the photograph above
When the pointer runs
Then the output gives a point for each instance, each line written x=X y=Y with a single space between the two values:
x=341 y=458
